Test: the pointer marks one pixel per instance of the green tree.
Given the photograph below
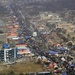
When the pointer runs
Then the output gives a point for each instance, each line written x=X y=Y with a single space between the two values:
x=58 y=30
x=64 y=31
x=1 y=42
x=51 y=25
x=69 y=44
x=1 y=31
x=11 y=73
x=68 y=35
x=73 y=38
x=21 y=74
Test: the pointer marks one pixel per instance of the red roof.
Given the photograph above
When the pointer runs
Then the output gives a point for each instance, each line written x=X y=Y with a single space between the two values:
x=23 y=51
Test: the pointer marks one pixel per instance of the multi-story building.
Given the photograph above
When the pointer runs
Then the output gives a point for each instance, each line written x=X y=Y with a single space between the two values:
x=8 y=55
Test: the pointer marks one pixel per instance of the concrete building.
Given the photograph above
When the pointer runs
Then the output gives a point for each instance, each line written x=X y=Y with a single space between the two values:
x=8 y=55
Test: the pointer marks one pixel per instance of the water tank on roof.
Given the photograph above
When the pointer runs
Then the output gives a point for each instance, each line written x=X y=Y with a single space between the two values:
x=5 y=46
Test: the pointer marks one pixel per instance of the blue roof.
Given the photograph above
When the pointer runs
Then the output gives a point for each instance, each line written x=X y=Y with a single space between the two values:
x=72 y=65
x=64 y=73
x=27 y=37
x=53 y=52
x=5 y=46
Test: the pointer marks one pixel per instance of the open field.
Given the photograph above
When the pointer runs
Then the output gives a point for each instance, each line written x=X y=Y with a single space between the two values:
x=23 y=67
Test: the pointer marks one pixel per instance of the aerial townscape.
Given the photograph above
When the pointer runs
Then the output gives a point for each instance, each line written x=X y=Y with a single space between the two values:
x=37 y=37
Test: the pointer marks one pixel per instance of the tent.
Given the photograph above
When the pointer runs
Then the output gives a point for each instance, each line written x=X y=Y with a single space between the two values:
x=64 y=74
x=62 y=49
x=59 y=47
x=27 y=37
x=53 y=52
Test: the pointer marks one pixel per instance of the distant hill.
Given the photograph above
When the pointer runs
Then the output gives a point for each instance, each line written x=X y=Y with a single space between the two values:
x=53 y=4
x=61 y=5
x=3 y=10
x=49 y=4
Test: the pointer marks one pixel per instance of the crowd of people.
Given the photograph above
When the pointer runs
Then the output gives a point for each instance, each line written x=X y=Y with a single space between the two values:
x=60 y=64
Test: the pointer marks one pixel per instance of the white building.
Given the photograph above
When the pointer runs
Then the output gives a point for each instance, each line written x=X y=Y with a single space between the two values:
x=8 y=55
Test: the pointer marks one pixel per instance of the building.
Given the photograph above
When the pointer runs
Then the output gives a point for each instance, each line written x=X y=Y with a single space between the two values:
x=22 y=50
x=12 y=34
x=8 y=55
